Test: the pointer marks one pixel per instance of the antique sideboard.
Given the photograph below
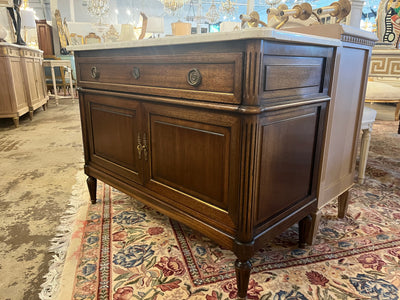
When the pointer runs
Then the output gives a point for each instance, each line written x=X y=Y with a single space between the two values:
x=22 y=81
x=222 y=131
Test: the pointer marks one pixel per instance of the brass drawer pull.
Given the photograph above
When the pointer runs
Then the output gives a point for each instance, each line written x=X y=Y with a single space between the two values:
x=136 y=72
x=94 y=73
x=194 y=77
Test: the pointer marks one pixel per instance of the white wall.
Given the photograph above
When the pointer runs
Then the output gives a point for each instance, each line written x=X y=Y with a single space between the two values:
x=4 y=21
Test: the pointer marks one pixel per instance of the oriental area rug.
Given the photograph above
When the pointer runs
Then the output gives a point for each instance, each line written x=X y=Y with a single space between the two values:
x=121 y=249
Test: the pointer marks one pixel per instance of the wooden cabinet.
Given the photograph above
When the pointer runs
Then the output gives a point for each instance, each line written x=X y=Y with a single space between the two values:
x=345 y=113
x=22 y=81
x=45 y=38
x=224 y=136
x=32 y=66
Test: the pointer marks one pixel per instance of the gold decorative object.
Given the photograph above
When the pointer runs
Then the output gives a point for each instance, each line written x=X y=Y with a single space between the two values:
x=98 y=8
x=212 y=14
x=300 y=11
x=278 y=15
x=339 y=9
x=61 y=31
x=111 y=35
x=253 y=20
x=171 y=6
x=228 y=8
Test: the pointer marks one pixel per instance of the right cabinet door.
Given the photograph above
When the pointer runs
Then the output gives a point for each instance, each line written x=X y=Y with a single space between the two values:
x=194 y=161
x=112 y=136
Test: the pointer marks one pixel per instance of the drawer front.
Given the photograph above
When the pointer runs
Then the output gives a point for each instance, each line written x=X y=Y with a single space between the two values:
x=295 y=71
x=211 y=77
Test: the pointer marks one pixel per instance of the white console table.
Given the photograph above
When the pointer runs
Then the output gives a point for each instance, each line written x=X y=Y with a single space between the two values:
x=59 y=63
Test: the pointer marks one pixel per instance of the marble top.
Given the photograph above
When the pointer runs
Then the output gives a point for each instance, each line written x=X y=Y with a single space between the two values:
x=334 y=31
x=6 y=44
x=250 y=33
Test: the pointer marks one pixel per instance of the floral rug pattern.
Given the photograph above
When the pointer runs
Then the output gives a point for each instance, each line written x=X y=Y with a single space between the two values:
x=130 y=251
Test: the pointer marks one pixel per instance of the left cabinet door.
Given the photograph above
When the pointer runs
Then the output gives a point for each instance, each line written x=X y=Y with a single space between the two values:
x=112 y=126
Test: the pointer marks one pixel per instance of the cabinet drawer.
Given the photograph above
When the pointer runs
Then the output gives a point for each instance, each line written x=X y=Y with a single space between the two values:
x=295 y=71
x=213 y=77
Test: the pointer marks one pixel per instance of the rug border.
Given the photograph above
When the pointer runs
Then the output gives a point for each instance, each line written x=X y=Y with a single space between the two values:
x=61 y=244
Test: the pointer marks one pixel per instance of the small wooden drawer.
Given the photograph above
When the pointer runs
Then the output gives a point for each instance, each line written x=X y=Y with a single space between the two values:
x=210 y=77
x=294 y=71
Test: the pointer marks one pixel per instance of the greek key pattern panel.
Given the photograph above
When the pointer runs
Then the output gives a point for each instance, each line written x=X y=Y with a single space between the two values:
x=385 y=66
x=357 y=40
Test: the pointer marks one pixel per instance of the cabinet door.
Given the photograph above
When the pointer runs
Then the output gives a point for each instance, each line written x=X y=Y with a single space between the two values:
x=194 y=161
x=40 y=84
x=31 y=81
x=112 y=125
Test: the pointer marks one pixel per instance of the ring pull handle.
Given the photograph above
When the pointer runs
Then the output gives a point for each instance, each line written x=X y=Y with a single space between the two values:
x=94 y=73
x=136 y=72
x=194 y=77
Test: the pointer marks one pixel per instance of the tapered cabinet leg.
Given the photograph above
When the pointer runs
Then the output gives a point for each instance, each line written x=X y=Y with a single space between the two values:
x=16 y=121
x=364 y=148
x=243 y=269
x=308 y=228
x=92 y=185
x=343 y=202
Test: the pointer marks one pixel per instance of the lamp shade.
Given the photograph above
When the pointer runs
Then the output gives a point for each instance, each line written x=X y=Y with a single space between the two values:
x=155 y=25
x=27 y=18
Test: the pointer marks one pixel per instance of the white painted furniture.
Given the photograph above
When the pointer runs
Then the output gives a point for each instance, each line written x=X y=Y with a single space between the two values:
x=384 y=84
x=52 y=63
x=368 y=120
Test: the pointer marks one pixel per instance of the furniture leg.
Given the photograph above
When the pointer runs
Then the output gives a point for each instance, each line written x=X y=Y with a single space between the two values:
x=44 y=106
x=397 y=112
x=53 y=77
x=92 y=186
x=308 y=228
x=365 y=141
x=16 y=121
x=398 y=130
x=70 y=84
x=30 y=115
x=243 y=269
x=343 y=201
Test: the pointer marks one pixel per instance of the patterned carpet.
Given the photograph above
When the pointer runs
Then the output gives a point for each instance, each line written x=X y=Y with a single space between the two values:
x=124 y=250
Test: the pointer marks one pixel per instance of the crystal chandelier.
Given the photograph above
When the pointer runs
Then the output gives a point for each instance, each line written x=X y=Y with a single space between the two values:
x=212 y=14
x=98 y=8
x=171 y=6
x=228 y=8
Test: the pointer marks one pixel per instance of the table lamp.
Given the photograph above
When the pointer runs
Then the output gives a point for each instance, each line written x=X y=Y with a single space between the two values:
x=27 y=21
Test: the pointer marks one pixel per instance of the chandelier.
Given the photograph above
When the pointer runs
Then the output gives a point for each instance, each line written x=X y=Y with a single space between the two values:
x=98 y=8
x=228 y=8
x=171 y=6
x=212 y=14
